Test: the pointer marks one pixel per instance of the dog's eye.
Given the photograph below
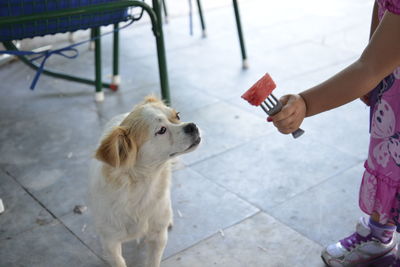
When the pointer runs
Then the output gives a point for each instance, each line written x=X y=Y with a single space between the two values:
x=177 y=116
x=162 y=130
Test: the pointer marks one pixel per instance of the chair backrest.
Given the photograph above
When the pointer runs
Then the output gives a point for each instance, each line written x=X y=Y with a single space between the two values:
x=40 y=27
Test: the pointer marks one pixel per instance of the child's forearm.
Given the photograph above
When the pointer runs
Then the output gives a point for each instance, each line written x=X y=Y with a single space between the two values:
x=349 y=84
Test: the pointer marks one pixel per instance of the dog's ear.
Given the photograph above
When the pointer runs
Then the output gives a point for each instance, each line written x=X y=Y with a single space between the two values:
x=117 y=148
x=151 y=99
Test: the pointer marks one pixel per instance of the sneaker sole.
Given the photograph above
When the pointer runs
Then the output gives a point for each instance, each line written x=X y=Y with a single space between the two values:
x=362 y=263
x=324 y=261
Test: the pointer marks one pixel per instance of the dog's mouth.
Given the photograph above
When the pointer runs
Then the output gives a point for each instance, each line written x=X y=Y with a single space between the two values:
x=195 y=143
x=190 y=148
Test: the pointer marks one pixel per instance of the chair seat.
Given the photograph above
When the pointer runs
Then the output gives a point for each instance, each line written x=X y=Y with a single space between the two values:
x=19 y=31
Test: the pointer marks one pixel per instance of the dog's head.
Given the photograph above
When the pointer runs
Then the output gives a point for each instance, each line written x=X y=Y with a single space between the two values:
x=151 y=134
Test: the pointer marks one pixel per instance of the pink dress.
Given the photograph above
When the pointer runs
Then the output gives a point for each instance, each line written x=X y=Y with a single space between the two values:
x=380 y=187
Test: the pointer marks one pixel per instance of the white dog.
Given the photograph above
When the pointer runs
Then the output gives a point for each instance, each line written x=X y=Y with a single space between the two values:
x=130 y=178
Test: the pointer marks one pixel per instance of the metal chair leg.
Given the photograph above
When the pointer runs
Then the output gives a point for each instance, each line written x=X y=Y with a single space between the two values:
x=164 y=7
x=162 y=61
x=97 y=58
x=203 y=25
x=116 y=79
x=91 y=43
x=241 y=39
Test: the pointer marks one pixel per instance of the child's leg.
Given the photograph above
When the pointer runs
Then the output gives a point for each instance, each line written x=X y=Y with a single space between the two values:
x=384 y=232
x=375 y=216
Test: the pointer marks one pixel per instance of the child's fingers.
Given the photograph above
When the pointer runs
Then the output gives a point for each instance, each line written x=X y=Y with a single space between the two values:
x=285 y=125
x=287 y=109
x=285 y=129
x=286 y=117
x=291 y=115
x=288 y=127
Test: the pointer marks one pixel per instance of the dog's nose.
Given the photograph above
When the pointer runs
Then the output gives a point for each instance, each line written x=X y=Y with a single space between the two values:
x=191 y=128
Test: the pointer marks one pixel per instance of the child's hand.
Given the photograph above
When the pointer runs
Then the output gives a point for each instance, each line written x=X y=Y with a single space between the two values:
x=365 y=99
x=292 y=114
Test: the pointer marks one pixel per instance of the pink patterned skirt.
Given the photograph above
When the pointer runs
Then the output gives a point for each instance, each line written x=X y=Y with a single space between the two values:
x=380 y=187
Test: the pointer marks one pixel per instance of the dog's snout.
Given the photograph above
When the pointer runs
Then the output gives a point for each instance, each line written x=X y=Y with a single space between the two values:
x=191 y=128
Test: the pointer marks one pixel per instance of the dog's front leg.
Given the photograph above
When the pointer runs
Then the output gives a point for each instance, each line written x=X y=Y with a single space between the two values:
x=113 y=253
x=156 y=243
x=171 y=221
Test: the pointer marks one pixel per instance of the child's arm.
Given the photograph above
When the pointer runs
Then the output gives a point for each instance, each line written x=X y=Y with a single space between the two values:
x=379 y=59
x=374 y=25
x=374 y=20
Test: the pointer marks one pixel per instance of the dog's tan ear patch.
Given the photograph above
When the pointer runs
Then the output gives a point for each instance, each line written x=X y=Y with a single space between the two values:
x=117 y=148
x=151 y=99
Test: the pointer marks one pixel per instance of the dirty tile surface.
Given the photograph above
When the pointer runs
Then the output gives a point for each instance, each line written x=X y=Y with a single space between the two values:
x=258 y=241
x=248 y=196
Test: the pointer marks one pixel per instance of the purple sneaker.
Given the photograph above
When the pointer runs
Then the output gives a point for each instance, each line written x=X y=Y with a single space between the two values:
x=359 y=248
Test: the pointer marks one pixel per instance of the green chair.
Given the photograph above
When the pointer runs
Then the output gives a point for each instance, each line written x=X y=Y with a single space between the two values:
x=29 y=18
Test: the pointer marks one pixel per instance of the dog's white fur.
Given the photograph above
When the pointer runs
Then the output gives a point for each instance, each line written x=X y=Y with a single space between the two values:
x=130 y=178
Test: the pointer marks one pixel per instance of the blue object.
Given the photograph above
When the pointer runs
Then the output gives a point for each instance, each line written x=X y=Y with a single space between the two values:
x=68 y=52
x=19 y=31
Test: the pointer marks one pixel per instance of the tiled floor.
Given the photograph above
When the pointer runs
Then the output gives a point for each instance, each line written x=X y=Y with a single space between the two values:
x=248 y=196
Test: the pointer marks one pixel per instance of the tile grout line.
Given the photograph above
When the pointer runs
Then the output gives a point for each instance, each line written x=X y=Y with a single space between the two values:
x=214 y=234
x=53 y=215
x=265 y=211
x=279 y=204
x=260 y=211
x=326 y=180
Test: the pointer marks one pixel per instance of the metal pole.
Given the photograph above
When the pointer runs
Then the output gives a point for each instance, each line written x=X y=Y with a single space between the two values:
x=162 y=61
x=97 y=58
x=203 y=24
x=164 y=7
x=115 y=78
x=241 y=39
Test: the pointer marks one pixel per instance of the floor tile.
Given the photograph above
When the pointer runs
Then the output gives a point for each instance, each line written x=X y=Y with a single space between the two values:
x=333 y=216
x=27 y=104
x=46 y=246
x=273 y=168
x=60 y=188
x=351 y=132
x=201 y=209
x=52 y=163
x=222 y=127
x=43 y=139
x=257 y=241
x=22 y=212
